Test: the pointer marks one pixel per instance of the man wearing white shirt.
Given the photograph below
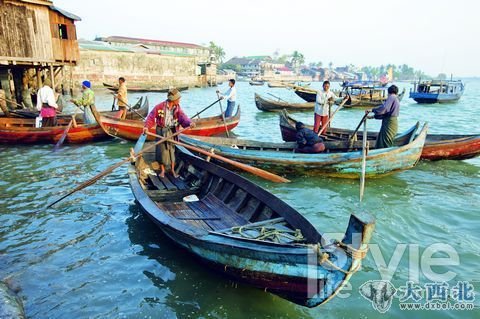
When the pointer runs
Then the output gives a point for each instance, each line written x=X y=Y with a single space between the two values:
x=230 y=95
x=46 y=104
x=324 y=100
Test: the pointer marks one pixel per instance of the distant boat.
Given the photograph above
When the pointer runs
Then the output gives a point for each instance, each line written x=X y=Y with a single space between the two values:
x=269 y=105
x=143 y=89
x=259 y=82
x=437 y=91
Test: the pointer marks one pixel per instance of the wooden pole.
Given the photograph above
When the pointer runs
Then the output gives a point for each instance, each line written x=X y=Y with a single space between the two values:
x=253 y=170
x=331 y=118
x=52 y=77
x=364 y=159
x=223 y=114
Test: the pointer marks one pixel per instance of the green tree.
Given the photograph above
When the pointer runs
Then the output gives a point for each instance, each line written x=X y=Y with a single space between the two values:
x=319 y=64
x=330 y=65
x=217 y=51
x=297 y=59
x=441 y=76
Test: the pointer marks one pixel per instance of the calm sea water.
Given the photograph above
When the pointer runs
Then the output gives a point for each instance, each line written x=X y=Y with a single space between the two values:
x=95 y=255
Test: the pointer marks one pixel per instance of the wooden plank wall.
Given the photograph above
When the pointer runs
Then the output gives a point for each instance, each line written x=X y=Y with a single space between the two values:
x=64 y=49
x=25 y=31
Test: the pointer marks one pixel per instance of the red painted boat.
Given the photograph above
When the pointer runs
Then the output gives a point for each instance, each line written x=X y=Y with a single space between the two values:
x=23 y=131
x=132 y=129
x=437 y=146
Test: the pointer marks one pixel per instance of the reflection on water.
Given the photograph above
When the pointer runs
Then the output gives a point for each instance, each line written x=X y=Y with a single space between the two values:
x=95 y=255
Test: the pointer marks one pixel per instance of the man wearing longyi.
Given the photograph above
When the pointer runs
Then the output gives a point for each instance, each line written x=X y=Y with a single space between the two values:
x=166 y=117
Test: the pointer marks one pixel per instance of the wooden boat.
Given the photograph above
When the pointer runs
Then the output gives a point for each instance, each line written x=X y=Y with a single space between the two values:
x=437 y=91
x=147 y=89
x=251 y=82
x=277 y=85
x=23 y=131
x=268 y=105
x=359 y=96
x=243 y=231
x=132 y=129
x=437 y=146
x=341 y=159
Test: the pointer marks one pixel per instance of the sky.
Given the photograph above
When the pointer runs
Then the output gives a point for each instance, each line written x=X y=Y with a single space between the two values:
x=433 y=36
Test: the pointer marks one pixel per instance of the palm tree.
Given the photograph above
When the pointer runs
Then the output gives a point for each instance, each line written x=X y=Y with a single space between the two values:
x=330 y=65
x=217 y=51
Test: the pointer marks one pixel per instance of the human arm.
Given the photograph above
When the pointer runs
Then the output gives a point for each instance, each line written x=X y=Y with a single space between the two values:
x=383 y=110
x=301 y=140
x=150 y=120
x=183 y=119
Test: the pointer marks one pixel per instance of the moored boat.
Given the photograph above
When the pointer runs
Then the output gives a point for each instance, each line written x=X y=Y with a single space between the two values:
x=23 y=131
x=309 y=95
x=132 y=129
x=437 y=91
x=437 y=146
x=269 y=105
x=277 y=84
x=243 y=231
x=257 y=82
x=341 y=158
x=134 y=89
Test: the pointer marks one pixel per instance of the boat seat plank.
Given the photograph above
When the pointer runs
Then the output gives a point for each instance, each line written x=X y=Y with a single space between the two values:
x=178 y=182
x=156 y=182
x=170 y=196
x=231 y=217
x=181 y=210
x=168 y=184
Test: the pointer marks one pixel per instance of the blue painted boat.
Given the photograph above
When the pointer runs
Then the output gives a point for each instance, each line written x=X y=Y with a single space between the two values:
x=437 y=91
x=341 y=158
x=243 y=231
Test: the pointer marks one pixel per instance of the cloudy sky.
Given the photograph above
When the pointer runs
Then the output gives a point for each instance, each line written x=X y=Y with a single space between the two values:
x=434 y=36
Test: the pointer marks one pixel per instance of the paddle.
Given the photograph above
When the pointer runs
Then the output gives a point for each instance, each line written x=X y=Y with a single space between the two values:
x=331 y=118
x=110 y=169
x=113 y=103
x=223 y=114
x=359 y=124
x=129 y=107
x=253 y=170
x=64 y=135
x=277 y=97
x=198 y=113
x=364 y=159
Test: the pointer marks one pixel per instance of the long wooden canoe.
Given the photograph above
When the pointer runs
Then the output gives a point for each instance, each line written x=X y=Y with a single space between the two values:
x=133 y=89
x=268 y=105
x=340 y=159
x=244 y=232
x=23 y=131
x=259 y=83
x=360 y=101
x=132 y=129
x=437 y=146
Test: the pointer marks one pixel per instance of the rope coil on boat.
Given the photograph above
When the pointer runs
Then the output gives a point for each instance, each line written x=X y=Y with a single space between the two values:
x=271 y=233
x=356 y=254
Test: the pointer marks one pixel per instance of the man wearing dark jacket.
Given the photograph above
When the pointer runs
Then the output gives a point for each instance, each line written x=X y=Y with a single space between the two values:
x=307 y=140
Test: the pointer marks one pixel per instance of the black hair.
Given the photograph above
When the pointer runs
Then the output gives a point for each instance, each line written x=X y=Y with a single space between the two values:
x=326 y=82
x=121 y=78
x=299 y=125
x=232 y=80
x=393 y=89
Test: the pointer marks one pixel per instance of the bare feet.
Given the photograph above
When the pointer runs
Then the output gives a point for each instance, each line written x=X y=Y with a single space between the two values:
x=162 y=174
x=175 y=174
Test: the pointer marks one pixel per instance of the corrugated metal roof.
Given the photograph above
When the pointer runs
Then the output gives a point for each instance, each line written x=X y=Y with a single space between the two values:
x=66 y=13
x=120 y=39
x=104 y=46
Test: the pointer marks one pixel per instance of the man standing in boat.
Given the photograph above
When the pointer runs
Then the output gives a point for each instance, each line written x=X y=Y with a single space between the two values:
x=323 y=101
x=46 y=104
x=166 y=117
x=122 y=97
x=230 y=95
x=387 y=112
x=87 y=100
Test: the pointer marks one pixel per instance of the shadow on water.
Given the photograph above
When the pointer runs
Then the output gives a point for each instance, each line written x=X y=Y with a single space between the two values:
x=190 y=288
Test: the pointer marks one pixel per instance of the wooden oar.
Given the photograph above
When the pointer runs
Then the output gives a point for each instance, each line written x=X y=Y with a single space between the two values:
x=253 y=170
x=64 y=135
x=223 y=114
x=130 y=108
x=277 y=97
x=113 y=103
x=198 y=113
x=364 y=159
x=359 y=124
x=110 y=169
x=331 y=118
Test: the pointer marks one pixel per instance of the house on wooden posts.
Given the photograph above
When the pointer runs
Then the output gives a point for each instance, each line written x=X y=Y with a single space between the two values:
x=37 y=40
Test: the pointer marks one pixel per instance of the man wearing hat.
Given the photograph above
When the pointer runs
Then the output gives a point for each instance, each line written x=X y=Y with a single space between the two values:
x=307 y=140
x=87 y=100
x=46 y=104
x=167 y=117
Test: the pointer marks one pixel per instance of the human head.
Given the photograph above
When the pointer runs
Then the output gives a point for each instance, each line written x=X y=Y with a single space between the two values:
x=174 y=96
x=299 y=126
x=47 y=82
x=231 y=82
x=121 y=80
x=393 y=89
x=86 y=84
x=326 y=85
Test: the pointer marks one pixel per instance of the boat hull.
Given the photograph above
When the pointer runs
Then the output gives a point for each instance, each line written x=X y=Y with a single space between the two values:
x=280 y=157
x=437 y=146
x=132 y=129
x=274 y=106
